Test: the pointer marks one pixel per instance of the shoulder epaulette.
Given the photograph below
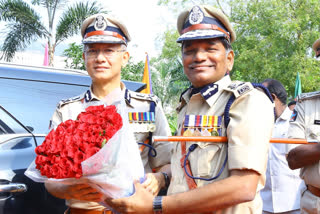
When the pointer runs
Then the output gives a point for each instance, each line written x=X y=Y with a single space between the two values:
x=308 y=96
x=70 y=100
x=141 y=96
x=239 y=88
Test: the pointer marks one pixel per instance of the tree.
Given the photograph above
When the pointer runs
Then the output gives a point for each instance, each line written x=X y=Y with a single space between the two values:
x=25 y=25
x=133 y=71
x=74 y=56
x=274 y=40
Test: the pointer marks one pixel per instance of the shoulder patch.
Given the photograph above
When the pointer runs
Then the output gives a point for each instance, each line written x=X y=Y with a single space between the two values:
x=239 y=88
x=308 y=96
x=294 y=116
x=70 y=100
x=141 y=96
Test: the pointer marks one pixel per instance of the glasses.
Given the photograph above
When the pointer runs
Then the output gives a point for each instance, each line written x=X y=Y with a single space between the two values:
x=92 y=53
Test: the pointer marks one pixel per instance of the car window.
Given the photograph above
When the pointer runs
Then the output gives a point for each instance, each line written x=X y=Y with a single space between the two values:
x=8 y=125
x=33 y=102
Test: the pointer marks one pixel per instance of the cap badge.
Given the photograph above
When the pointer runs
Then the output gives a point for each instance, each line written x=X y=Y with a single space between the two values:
x=196 y=15
x=100 y=23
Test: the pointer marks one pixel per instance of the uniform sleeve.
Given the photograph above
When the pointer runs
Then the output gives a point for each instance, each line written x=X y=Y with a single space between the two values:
x=56 y=119
x=297 y=123
x=163 y=148
x=249 y=131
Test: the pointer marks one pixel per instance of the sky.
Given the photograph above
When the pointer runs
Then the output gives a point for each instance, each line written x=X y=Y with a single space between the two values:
x=144 y=19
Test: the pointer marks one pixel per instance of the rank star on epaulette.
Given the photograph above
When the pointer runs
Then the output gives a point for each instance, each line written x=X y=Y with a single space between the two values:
x=69 y=100
x=235 y=85
x=239 y=88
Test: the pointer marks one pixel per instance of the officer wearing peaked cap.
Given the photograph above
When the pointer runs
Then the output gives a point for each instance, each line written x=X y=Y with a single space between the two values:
x=105 y=39
x=218 y=178
x=305 y=124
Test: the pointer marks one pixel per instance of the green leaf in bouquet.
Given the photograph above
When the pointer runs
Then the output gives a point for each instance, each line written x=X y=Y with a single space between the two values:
x=103 y=142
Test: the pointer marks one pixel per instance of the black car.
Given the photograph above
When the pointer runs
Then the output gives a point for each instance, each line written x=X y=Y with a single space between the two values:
x=27 y=101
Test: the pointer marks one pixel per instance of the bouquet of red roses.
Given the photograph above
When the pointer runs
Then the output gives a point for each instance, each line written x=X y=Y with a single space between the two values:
x=74 y=141
x=97 y=148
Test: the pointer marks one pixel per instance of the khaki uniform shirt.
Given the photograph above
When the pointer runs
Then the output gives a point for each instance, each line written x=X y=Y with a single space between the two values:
x=305 y=124
x=136 y=102
x=249 y=132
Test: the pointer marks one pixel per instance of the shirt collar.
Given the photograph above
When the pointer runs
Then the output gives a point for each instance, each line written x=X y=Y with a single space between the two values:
x=90 y=96
x=286 y=114
x=209 y=92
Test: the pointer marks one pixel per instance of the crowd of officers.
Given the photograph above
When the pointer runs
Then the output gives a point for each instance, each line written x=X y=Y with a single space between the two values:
x=199 y=177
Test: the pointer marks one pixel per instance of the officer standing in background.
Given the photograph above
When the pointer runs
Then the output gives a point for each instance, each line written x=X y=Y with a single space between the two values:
x=305 y=124
x=105 y=51
x=213 y=177
x=282 y=191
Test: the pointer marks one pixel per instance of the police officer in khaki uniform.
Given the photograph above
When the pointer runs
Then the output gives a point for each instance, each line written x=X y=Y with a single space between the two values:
x=105 y=39
x=213 y=177
x=305 y=124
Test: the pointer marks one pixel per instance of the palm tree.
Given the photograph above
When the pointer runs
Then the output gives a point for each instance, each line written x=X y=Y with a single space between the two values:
x=25 y=26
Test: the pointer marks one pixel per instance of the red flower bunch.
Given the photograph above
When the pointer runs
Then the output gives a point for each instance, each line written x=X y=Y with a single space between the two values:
x=73 y=141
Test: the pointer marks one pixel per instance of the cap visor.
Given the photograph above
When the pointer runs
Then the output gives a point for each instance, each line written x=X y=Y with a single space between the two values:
x=102 y=39
x=200 y=34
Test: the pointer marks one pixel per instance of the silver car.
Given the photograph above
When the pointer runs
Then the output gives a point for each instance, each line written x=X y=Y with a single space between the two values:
x=27 y=100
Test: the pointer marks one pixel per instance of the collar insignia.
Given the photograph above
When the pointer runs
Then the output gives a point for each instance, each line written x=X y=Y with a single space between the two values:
x=87 y=96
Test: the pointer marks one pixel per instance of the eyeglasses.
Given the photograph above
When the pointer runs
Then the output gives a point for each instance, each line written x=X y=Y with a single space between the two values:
x=92 y=53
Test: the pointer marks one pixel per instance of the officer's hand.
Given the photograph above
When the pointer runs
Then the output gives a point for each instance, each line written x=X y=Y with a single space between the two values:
x=83 y=192
x=154 y=182
x=139 y=202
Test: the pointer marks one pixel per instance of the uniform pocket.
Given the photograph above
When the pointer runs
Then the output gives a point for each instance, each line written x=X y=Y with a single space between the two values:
x=207 y=159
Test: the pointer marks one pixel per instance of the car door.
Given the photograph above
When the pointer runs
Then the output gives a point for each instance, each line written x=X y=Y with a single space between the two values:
x=18 y=193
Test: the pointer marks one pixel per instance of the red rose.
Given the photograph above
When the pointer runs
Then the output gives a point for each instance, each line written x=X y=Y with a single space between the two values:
x=74 y=141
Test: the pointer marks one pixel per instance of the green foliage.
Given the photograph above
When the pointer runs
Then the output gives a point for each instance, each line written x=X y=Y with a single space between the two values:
x=23 y=26
x=74 y=57
x=133 y=71
x=24 y=23
x=72 y=18
x=173 y=123
x=170 y=49
x=274 y=40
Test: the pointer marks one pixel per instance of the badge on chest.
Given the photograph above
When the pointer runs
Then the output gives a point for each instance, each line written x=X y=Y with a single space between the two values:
x=202 y=125
x=142 y=121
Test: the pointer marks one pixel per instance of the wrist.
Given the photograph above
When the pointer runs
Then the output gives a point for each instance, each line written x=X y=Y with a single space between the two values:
x=157 y=205
x=166 y=180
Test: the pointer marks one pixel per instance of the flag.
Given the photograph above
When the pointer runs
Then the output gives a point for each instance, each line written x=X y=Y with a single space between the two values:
x=46 y=56
x=147 y=78
x=297 y=89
